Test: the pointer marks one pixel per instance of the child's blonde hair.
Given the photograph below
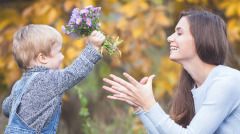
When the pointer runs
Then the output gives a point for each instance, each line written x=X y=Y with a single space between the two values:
x=32 y=40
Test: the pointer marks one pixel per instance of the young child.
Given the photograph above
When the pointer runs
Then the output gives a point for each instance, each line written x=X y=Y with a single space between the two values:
x=34 y=105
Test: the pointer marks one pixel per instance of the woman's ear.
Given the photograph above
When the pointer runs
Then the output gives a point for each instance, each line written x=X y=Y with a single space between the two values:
x=42 y=58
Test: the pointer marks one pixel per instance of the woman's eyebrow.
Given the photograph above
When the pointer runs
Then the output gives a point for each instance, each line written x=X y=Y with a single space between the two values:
x=179 y=28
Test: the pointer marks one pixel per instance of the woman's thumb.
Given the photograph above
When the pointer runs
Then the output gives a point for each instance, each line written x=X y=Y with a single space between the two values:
x=150 y=79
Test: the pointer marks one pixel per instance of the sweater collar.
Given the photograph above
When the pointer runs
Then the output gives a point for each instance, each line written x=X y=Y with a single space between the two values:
x=37 y=69
x=212 y=74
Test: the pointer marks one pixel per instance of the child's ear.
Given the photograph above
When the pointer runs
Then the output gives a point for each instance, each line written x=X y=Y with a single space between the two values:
x=42 y=58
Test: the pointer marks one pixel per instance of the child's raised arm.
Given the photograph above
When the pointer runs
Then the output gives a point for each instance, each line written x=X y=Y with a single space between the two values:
x=65 y=79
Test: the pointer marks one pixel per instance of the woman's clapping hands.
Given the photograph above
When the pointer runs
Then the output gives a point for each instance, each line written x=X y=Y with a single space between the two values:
x=137 y=94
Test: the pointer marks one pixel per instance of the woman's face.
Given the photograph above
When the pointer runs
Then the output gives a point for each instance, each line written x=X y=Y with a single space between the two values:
x=182 y=46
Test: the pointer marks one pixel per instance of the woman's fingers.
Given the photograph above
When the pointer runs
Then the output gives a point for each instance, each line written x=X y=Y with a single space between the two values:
x=122 y=82
x=116 y=87
x=143 y=80
x=150 y=80
x=113 y=83
x=121 y=99
x=131 y=79
x=110 y=90
x=123 y=96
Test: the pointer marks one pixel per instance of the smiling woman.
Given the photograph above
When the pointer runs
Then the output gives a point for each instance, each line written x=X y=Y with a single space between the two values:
x=207 y=99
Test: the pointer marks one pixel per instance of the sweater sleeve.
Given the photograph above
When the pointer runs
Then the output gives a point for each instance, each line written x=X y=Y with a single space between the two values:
x=79 y=69
x=7 y=103
x=147 y=123
x=221 y=99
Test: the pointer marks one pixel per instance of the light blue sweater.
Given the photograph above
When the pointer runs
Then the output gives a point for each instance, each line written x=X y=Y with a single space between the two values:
x=217 y=106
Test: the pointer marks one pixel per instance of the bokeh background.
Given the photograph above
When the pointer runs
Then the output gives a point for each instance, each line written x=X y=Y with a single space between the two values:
x=144 y=25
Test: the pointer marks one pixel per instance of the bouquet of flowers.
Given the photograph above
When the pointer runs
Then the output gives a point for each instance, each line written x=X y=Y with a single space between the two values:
x=83 y=22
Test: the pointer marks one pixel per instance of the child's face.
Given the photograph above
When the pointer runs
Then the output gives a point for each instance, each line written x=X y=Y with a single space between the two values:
x=56 y=57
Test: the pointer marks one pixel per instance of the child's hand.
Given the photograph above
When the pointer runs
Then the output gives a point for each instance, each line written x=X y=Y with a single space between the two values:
x=96 y=39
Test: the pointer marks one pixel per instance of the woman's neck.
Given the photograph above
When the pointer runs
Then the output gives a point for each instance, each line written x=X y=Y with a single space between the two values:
x=199 y=71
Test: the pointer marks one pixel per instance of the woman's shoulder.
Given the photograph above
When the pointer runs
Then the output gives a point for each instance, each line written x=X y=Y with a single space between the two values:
x=225 y=84
x=226 y=79
x=225 y=73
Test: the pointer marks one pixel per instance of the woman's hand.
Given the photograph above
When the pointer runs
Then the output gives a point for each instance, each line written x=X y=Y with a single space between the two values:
x=140 y=94
x=135 y=106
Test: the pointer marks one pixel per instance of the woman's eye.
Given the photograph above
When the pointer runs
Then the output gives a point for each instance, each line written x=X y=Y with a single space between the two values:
x=179 y=33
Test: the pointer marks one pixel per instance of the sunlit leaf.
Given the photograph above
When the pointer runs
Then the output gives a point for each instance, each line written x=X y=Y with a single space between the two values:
x=68 y=5
x=129 y=9
x=72 y=53
x=65 y=97
x=111 y=1
x=138 y=31
x=26 y=12
x=224 y=4
x=4 y=23
x=231 y=9
x=52 y=16
x=45 y=9
x=88 y=3
x=80 y=44
x=238 y=9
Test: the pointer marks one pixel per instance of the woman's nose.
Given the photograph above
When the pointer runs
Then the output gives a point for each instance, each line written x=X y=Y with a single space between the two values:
x=170 y=38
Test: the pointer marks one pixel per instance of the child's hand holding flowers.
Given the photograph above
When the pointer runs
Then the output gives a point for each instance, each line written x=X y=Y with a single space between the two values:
x=84 y=22
x=96 y=39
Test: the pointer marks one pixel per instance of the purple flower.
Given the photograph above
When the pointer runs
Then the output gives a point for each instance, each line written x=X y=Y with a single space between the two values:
x=95 y=9
x=78 y=21
x=89 y=22
x=71 y=21
x=98 y=8
x=75 y=12
x=83 y=12
x=99 y=24
x=98 y=14
x=89 y=7
x=64 y=30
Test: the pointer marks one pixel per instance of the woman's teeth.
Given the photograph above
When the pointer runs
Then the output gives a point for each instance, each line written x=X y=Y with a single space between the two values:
x=173 y=48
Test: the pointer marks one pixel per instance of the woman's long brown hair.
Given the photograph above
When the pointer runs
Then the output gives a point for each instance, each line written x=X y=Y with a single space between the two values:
x=210 y=37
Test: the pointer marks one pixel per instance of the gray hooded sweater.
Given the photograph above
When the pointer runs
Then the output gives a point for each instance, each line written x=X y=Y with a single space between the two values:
x=45 y=91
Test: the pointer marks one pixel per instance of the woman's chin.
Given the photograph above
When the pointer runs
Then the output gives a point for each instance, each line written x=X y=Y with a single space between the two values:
x=173 y=59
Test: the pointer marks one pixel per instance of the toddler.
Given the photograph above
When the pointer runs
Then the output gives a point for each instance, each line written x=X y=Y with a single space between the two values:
x=34 y=105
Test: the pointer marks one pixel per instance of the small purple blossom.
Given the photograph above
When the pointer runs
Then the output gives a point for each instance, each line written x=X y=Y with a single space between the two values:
x=78 y=21
x=89 y=22
x=71 y=21
x=89 y=7
x=64 y=30
x=94 y=10
x=75 y=12
x=98 y=8
x=99 y=24
x=84 y=12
